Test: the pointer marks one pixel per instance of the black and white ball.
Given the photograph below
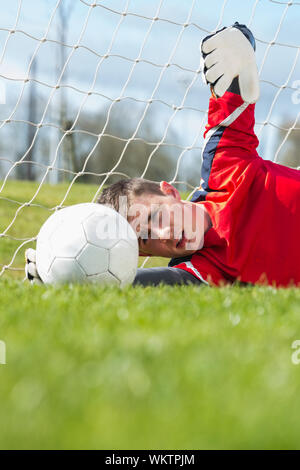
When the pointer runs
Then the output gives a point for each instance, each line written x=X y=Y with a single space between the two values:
x=87 y=243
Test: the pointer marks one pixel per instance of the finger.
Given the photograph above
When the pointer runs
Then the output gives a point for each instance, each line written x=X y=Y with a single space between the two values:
x=210 y=44
x=222 y=84
x=28 y=276
x=30 y=255
x=212 y=58
x=249 y=84
x=31 y=269
x=202 y=65
x=215 y=72
x=215 y=41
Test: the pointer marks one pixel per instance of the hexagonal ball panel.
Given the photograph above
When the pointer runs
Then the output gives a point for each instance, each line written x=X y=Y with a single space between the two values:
x=123 y=261
x=69 y=239
x=100 y=229
x=66 y=270
x=93 y=260
x=50 y=225
x=130 y=235
x=105 y=279
x=81 y=211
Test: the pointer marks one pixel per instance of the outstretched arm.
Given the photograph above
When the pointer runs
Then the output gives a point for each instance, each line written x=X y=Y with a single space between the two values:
x=230 y=141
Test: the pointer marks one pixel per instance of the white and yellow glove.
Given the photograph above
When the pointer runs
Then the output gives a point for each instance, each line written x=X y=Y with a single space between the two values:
x=228 y=54
x=30 y=267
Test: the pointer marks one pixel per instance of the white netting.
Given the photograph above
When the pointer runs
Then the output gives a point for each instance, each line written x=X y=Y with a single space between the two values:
x=92 y=92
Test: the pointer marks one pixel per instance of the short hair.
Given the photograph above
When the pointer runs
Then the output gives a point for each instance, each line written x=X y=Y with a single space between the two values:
x=129 y=188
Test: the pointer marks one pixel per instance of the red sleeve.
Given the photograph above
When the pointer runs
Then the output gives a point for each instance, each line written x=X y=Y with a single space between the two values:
x=236 y=119
x=230 y=143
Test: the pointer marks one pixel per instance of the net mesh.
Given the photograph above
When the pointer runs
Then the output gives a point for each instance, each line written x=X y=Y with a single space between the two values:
x=94 y=92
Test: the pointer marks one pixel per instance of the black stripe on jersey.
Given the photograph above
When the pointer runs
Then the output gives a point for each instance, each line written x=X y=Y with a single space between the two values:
x=176 y=261
x=208 y=156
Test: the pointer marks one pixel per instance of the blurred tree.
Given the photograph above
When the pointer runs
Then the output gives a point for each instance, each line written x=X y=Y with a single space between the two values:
x=111 y=145
x=27 y=131
x=32 y=117
x=64 y=12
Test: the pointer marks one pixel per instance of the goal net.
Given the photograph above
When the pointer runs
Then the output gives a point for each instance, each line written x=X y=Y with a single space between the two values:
x=91 y=92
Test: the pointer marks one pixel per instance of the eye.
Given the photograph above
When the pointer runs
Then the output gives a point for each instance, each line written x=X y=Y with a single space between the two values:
x=144 y=237
x=160 y=219
x=144 y=241
x=157 y=218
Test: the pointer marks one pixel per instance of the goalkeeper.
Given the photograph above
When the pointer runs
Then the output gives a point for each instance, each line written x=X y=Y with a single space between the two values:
x=250 y=207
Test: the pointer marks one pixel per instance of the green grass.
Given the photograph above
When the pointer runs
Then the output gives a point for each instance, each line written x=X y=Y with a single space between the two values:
x=165 y=368
x=185 y=368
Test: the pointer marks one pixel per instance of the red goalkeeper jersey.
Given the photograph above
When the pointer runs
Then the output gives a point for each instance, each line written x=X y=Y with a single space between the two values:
x=254 y=205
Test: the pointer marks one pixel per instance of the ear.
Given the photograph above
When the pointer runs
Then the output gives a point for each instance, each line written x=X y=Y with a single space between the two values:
x=169 y=190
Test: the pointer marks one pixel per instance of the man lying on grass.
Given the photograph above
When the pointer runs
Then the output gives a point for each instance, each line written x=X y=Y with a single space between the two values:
x=243 y=223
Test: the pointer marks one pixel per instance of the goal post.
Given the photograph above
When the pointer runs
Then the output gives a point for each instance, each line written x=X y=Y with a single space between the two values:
x=91 y=92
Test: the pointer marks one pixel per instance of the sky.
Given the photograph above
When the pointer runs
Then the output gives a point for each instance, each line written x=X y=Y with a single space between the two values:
x=104 y=30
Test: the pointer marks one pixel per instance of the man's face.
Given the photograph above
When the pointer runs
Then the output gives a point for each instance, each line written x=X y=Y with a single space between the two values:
x=165 y=225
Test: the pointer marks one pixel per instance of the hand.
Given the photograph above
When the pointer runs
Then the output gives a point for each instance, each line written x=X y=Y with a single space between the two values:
x=229 y=54
x=30 y=267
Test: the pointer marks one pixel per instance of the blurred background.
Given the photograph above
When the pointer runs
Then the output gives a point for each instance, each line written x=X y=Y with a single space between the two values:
x=67 y=66
x=89 y=94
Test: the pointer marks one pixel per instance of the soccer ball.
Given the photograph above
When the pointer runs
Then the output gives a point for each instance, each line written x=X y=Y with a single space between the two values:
x=87 y=243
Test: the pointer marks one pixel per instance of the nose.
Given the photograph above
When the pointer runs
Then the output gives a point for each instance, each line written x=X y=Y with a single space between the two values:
x=162 y=234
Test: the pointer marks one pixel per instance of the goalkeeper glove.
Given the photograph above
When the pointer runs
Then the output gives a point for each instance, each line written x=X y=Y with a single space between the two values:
x=30 y=267
x=227 y=54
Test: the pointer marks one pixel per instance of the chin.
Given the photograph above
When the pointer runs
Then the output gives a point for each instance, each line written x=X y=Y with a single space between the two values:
x=192 y=247
x=184 y=252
